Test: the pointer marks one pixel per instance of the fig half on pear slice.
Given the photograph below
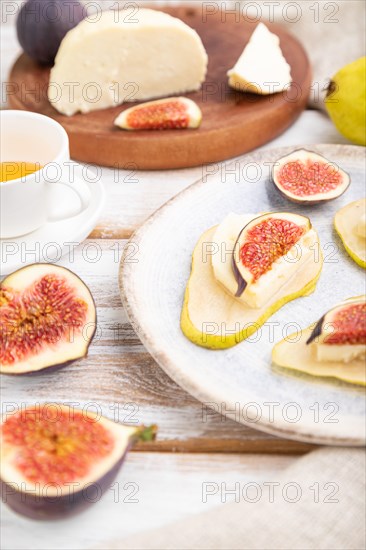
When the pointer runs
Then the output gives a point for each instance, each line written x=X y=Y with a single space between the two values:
x=308 y=178
x=350 y=224
x=263 y=249
x=334 y=347
x=57 y=460
x=171 y=113
x=47 y=318
x=212 y=316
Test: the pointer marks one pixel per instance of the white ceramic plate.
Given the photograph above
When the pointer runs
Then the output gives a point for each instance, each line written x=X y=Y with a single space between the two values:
x=241 y=382
x=55 y=239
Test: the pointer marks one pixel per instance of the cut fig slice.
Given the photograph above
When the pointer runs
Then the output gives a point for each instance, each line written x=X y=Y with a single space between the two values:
x=47 y=318
x=350 y=224
x=212 y=317
x=308 y=178
x=268 y=252
x=172 y=113
x=334 y=347
x=57 y=460
x=345 y=324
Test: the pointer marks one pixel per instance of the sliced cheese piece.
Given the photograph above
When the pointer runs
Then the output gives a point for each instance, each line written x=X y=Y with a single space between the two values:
x=121 y=58
x=261 y=68
x=268 y=285
x=224 y=239
x=343 y=353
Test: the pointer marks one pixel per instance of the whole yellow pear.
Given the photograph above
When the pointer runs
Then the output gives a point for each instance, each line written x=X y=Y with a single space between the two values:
x=346 y=101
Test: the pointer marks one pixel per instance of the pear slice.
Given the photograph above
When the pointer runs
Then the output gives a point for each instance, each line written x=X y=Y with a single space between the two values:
x=350 y=224
x=261 y=68
x=213 y=317
x=306 y=351
x=361 y=227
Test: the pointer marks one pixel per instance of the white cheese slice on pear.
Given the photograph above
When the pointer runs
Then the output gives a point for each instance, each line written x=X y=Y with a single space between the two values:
x=119 y=58
x=261 y=68
x=339 y=353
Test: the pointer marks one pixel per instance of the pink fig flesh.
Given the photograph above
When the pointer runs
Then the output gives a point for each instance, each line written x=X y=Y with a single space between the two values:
x=48 y=319
x=308 y=178
x=172 y=113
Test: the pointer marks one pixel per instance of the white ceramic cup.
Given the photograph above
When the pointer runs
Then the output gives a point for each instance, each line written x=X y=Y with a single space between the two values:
x=26 y=203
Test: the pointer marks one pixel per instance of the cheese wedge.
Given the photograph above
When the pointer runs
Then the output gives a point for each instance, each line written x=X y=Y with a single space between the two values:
x=121 y=58
x=261 y=68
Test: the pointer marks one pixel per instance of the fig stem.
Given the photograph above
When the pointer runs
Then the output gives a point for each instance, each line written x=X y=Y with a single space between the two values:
x=330 y=89
x=147 y=433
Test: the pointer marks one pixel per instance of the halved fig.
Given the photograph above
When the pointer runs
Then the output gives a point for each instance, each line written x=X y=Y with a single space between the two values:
x=171 y=113
x=334 y=347
x=308 y=178
x=212 y=316
x=56 y=460
x=350 y=224
x=47 y=318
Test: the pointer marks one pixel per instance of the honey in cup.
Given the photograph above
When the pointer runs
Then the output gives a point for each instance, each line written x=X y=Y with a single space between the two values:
x=16 y=169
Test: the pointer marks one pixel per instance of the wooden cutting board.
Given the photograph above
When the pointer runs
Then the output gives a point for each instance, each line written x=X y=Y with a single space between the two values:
x=233 y=122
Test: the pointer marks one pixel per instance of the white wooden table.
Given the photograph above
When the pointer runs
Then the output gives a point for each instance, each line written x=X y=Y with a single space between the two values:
x=166 y=477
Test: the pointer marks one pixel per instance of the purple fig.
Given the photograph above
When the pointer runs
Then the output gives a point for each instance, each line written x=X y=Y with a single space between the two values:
x=42 y=24
x=57 y=460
